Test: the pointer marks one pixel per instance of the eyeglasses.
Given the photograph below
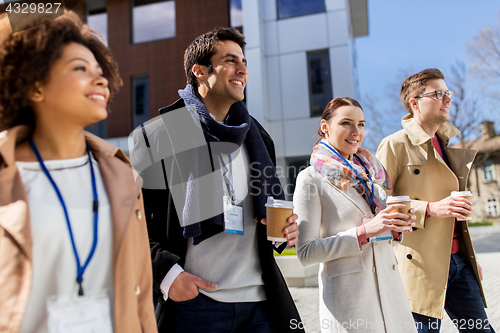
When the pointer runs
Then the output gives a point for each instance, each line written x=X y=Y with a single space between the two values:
x=438 y=93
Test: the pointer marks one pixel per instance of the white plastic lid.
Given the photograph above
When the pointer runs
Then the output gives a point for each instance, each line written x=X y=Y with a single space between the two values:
x=271 y=202
x=461 y=194
x=398 y=198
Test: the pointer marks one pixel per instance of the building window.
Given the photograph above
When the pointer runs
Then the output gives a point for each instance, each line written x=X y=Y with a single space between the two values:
x=488 y=172
x=292 y=8
x=97 y=18
x=294 y=166
x=100 y=129
x=140 y=101
x=320 y=82
x=152 y=20
x=492 y=207
x=235 y=13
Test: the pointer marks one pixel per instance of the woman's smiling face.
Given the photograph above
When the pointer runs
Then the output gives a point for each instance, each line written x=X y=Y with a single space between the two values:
x=345 y=130
x=75 y=89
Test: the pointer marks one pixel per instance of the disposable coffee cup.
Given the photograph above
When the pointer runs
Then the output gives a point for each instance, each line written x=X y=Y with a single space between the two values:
x=278 y=212
x=465 y=194
x=403 y=200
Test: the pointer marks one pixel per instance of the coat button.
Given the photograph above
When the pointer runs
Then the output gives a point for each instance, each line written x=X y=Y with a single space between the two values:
x=416 y=171
x=139 y=214
x=472 y=257
x=137 y=290
x=409 y=256
x=394 y=267
x=374 y=270
x=465 y=230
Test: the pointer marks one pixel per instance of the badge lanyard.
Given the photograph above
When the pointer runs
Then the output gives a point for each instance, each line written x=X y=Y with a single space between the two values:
x=95 y=205
x=369 y=194
x=229 y=182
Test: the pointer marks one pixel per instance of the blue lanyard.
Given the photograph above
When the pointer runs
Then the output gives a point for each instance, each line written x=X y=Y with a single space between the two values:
x=442 y=149
x=95 y=207
x=369 y=194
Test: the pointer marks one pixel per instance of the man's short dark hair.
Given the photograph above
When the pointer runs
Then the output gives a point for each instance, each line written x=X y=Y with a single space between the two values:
x=201 y=50
x=415 y=85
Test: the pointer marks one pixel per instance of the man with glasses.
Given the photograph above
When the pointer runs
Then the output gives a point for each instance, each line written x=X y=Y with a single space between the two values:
x=436 y=260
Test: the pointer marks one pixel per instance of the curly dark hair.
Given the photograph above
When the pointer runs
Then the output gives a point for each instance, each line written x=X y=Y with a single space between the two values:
x=201 y=50
x=26 y=58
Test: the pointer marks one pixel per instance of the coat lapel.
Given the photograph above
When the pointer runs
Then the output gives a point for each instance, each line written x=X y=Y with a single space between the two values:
x=14 y=219
x=459 y=160
x=120 y=186
x=14 y=212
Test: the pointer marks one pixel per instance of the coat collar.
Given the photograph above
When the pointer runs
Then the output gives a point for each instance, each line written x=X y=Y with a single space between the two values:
x=418 y=136
x=14 y=214
x=117 y=175
x=10 y=138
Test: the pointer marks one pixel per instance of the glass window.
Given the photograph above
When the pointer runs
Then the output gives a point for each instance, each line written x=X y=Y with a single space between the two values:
x=140 y=101
x=152 y=20
x=489 y=171
x=320 y=82
x=100 y=129
x=97 y=18
x=492 y=207
x=294 y=166
x=235 y=13
x=291 y=8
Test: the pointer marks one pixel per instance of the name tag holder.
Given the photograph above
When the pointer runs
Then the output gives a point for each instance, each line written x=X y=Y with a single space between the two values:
x=82 y=314
x=233 y=217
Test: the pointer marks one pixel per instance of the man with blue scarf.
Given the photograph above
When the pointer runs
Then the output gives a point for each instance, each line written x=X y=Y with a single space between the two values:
x=208 y=168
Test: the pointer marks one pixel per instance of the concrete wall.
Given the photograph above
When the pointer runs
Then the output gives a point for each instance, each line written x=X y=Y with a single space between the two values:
x=295 y=274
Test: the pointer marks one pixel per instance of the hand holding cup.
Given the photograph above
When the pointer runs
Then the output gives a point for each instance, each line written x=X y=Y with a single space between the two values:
x=390 y=220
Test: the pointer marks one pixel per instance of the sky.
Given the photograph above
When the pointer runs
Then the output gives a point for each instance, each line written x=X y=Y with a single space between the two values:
x=418 y=34
x=413 y=35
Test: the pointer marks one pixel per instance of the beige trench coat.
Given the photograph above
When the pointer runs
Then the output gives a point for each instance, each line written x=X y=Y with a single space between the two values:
x=417 y=170
x=133 y=301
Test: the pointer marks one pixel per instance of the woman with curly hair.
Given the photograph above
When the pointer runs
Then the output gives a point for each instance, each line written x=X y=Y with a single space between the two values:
x=74 y=251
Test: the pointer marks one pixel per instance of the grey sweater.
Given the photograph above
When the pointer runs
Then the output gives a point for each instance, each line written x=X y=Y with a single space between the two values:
x=231 y=260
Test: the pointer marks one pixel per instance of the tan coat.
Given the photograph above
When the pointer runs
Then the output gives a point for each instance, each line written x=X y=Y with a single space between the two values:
x=133 y=302
x=417 y=170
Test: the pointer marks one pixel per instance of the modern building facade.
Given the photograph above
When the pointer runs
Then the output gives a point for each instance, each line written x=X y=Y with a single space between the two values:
x=300 y=55
x=148 y=39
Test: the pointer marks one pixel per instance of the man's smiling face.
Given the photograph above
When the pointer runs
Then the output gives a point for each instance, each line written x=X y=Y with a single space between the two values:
x=228 y=78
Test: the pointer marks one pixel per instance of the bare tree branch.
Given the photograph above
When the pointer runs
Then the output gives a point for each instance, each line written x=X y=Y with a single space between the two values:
x=464 y=111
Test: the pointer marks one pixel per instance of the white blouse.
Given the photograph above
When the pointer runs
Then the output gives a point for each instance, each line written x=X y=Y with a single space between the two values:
x=54 y=263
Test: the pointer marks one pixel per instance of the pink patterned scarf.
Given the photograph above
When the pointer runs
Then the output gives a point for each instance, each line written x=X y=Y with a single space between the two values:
x=341 y=175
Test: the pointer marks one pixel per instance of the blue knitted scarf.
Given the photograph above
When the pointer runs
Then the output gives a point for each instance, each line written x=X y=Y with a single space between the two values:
x=239 y=128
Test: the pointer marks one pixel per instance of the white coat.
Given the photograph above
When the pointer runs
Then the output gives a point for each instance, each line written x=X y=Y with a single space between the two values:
x=360 y=289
